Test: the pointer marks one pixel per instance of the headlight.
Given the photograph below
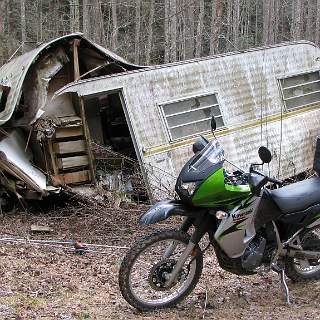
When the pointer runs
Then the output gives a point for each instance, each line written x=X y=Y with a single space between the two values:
x=190 y=187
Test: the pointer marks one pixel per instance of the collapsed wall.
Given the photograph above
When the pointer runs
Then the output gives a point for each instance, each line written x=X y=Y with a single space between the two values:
x=45 y=143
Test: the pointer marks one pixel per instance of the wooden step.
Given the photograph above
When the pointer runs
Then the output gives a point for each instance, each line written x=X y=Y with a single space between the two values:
x=69 y=132
x=71 y=178
x=72 y=162
x=69 y=147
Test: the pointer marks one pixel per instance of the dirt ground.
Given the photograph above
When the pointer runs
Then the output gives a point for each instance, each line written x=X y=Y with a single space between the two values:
x=51 y=282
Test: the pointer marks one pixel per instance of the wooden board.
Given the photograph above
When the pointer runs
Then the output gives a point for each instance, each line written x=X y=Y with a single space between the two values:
x=68 y=132
x=69 y=147
x=76 y=177
x=72 y=162
x=71 y=178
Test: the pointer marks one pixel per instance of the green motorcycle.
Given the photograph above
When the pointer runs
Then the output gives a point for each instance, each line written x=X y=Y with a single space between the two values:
x=251 y=227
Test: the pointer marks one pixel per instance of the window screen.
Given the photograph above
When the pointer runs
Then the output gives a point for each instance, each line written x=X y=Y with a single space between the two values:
x=190 y=116
x=301 y=90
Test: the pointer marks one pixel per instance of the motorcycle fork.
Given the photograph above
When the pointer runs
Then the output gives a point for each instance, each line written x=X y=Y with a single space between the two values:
x=202 y=225
x=186 y=225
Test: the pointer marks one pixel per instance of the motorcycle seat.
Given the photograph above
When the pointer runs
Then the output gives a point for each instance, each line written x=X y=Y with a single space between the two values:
x=297 y=196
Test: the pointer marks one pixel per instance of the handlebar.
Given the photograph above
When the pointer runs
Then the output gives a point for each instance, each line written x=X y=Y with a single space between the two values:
x=272 y=180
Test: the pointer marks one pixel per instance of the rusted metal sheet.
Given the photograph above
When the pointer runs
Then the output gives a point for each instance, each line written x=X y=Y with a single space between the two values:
x=247 y=88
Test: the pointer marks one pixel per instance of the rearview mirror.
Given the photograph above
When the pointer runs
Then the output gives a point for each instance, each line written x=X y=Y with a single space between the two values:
x=264 y=154
x=213 y=124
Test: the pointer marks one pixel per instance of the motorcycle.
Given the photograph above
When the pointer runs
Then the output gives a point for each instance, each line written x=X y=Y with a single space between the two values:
x=251 y=225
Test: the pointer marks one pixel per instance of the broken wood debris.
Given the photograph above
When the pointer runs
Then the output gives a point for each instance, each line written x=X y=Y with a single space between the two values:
x=40 y=229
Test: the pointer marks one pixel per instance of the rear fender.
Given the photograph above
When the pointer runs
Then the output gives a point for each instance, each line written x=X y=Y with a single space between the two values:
x=165 y=209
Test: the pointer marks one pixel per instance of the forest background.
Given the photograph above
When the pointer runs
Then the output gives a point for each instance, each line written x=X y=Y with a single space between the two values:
x=156 y=31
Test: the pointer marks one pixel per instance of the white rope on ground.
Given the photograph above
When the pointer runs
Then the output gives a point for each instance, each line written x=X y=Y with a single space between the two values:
x=63 y=244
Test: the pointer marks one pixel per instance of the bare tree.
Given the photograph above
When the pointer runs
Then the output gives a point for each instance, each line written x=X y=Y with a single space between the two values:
x=23 y=24
x=137 y=33
x=3 y=6
x=317 y=32
x=75 y=15
x=85 y=17
x=297 y=14
x=166 y=30
x=216 y=21
x=236 y=23
x=114 y=37
x=200 y=29
x=150 y=32
x=173 y=30
x=189 y=31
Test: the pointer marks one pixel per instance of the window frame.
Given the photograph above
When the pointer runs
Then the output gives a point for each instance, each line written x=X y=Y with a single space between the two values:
x=280 y=79
x=164 y=116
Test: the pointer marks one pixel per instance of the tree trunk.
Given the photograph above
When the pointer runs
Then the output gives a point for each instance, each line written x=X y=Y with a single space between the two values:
x=189 y=32
x=23 y=24
x=309 y=24
x=317 y=35
x=215 y=26
x=137 y=32
x=85 y=18
x=76 y=16
x=236 y=23
x=296 y=26
x=3 y=11
x=166 y=31
x=114 y=38
x=173 y=30
x=150 y=32
x=200 y=29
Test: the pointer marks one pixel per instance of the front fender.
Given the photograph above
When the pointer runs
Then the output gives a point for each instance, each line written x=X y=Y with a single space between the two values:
x=165 y=209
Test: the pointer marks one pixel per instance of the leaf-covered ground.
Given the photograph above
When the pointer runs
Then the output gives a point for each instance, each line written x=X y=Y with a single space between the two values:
x=49 y=282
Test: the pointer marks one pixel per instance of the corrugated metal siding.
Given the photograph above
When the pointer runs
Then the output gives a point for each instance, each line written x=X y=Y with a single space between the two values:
x=246 y=85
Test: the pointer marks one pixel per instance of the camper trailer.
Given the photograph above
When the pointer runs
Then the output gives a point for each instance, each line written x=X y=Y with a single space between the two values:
x=62 y=97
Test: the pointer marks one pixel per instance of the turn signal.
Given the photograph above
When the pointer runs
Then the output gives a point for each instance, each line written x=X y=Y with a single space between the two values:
x=221 y=215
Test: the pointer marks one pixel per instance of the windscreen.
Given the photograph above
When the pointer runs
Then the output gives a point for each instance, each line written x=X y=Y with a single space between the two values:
x=212 y=154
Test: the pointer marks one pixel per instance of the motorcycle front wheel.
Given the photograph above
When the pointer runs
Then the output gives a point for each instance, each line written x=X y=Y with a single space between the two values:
x=148 y=264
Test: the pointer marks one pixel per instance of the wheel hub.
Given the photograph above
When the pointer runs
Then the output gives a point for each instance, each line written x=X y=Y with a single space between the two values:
x=160 y=273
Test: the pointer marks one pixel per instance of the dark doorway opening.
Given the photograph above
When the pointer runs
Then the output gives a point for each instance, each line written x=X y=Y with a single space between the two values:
x=116 y=160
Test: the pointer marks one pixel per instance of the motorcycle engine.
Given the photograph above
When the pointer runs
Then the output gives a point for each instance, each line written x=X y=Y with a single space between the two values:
x=252 y=257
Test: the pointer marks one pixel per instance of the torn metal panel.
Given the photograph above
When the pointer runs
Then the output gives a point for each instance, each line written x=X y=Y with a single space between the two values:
x=36 y=86
x=17 y=161
x=13 y=74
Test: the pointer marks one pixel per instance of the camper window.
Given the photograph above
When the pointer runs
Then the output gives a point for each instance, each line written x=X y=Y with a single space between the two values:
x=190 y=116
x=301 y=90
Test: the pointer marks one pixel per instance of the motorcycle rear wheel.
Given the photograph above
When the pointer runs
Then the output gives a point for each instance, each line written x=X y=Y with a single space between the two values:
x=145 y=268
x=305 y=270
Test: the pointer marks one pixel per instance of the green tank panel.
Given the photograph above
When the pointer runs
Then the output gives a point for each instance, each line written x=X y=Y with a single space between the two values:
x=214 y=192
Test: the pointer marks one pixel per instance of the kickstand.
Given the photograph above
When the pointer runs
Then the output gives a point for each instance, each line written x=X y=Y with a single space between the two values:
x=285 y=286
x=280 y=271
